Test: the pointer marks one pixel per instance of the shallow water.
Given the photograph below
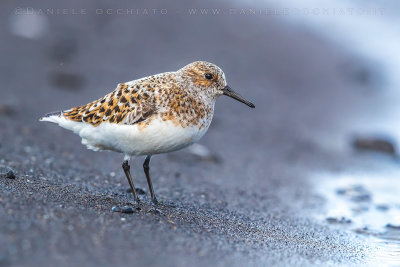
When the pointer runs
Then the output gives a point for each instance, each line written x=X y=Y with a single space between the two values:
x=368 y=204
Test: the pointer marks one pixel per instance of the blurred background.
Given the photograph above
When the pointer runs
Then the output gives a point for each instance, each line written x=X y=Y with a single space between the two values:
x=311 y=176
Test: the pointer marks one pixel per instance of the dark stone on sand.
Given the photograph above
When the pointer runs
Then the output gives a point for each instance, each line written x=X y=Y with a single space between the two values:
x=123 y=209
x=377 y=144
x=392 y=226
x=6 y=172
x=361 y=197
x=356 y=193
x=365 y=230
x=341 y=191
x=342 y=220
x=382 y=207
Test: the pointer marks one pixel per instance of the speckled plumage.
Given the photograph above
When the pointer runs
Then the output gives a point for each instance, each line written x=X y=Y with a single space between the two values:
x=167 y=95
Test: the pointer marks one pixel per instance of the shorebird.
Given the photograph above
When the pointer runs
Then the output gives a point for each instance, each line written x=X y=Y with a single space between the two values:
x=156 y=114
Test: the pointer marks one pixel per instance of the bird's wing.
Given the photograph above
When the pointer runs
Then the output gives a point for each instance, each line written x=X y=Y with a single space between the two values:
x=129 y=103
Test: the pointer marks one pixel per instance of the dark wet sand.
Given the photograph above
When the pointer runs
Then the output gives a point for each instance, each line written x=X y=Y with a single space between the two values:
x=255 y=205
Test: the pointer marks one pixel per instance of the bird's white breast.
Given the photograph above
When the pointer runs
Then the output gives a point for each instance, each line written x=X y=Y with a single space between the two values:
x=156 y=137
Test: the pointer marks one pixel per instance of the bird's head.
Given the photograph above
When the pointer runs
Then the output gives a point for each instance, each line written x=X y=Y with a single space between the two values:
x=209 y=79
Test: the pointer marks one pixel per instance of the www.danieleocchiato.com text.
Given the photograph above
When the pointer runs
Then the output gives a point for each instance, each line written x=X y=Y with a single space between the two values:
x=307 y=11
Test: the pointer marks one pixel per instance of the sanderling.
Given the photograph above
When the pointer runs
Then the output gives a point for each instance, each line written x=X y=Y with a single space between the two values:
x=152 y=115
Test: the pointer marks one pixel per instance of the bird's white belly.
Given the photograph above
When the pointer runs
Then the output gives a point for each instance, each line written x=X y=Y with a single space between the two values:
x=156 y=137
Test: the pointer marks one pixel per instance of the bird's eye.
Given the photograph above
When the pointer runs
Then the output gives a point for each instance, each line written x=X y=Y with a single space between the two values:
x=208 y=76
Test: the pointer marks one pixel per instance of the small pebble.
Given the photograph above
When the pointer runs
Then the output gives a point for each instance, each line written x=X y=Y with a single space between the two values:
x=341 y=191
x=372 y=143
x=394 y=227
x=356 y=193
x=361 y=198
x=124 y=209
x=6 y=172
x=342 y=220
x=364 y=230
x=382 y=207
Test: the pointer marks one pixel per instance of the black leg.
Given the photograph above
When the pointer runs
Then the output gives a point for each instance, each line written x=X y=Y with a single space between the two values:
x=126 y=167
x=146 y=168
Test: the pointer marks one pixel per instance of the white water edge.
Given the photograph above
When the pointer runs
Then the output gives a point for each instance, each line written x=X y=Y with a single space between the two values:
x=368 y=204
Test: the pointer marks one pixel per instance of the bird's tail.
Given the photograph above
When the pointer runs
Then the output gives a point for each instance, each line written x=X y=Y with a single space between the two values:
x=54 y=117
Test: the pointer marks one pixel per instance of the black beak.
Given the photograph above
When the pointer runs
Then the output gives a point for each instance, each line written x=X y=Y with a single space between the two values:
x=229 y=92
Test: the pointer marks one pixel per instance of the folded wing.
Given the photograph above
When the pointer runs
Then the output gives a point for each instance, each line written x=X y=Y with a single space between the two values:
x=127 y=104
